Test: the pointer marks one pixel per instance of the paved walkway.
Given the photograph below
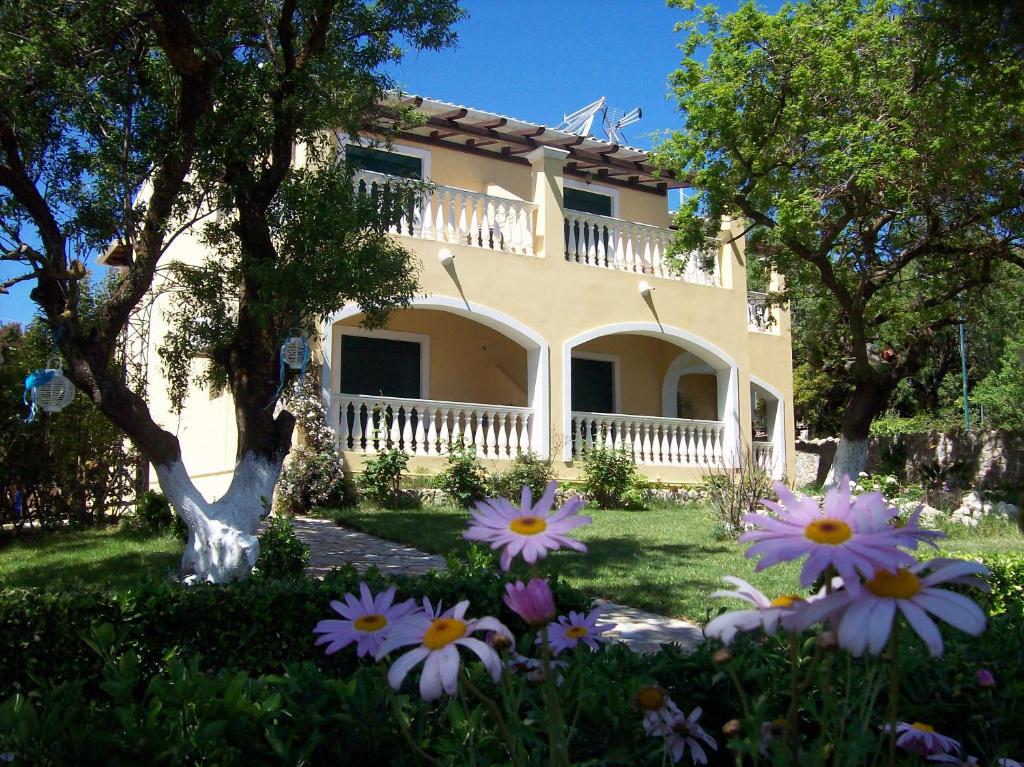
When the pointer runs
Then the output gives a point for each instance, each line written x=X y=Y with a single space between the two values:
x=331 y=546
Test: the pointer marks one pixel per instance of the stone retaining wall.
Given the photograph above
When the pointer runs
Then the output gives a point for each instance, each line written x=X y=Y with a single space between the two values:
x=989 y=459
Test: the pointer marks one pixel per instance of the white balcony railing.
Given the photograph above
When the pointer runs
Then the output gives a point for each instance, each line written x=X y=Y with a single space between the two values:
x=459 y=216
x=764 y=453
x=430 y=427
x=613 y=243
x=760 y=314
x=653 y=441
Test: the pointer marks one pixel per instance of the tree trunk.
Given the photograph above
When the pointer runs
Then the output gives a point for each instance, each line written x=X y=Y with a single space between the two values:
x=865 y=403
x=222 y=545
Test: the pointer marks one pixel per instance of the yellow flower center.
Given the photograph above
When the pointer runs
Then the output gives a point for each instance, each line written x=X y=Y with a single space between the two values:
x=528 y=525
x=830 y=531
x=786 y=600
x=923 y=727
x=443 y=631
x=903 y=585
x=576 y=632
x=650 y=698
x=374 y=622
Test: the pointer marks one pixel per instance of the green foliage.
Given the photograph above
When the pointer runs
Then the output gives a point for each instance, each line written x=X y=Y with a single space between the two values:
x=69 y=466
x=612 y=481
x=527 y=469
x=817 y=396
x=876 y=167
x=282 y=554
x=1001 y=392
x=381 y=480
x=154 y=515
x=1006 y=579
x=464 y=479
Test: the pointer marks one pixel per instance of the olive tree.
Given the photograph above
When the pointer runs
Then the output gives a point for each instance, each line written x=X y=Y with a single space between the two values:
x=132 y=121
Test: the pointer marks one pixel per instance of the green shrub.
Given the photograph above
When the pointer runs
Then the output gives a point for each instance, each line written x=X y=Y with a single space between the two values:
x=282 y=554
x=382 y=477
x=153 y=514
x=464 y=479
x=312 y=478
x=527 y=469
x=611 y=480
x=1006 y=579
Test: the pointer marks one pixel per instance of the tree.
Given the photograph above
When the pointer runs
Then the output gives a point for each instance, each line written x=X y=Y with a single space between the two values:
x=878 y=172
x=132 y=121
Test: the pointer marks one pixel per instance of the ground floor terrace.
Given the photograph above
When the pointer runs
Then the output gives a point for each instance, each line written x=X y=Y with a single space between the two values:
x=447 y=371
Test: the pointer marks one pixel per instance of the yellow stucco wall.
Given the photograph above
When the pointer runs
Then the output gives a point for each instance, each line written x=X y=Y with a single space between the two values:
x=563 y=304
x=469 y=362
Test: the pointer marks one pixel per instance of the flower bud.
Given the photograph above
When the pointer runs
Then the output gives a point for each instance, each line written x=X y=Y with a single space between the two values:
x=732 y=728
x=533 y=602
x=722 y=656
x=985 y=678
x=826 y=640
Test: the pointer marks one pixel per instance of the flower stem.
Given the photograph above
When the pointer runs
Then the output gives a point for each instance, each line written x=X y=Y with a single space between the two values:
x=894 y=688
x=403 y=726
x=793 y=714
x=495 y=712
x=556 y=722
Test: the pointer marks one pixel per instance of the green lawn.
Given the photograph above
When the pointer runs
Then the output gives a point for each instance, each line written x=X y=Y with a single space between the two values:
x=108 y=556
x=666 y=560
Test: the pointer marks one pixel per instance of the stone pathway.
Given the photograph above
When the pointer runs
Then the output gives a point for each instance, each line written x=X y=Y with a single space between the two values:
x=331 y=546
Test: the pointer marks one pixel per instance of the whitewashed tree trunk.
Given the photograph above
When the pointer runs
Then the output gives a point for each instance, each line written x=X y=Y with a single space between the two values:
x=850 y=459
x=222 y=544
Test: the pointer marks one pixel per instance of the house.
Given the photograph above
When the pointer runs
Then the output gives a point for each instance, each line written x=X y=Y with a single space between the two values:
x=550 y=319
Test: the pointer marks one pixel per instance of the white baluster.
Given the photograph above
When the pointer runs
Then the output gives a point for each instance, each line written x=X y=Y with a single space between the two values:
x=343 y=429
x=645 y=443
x=523 y=421
x=443 y=435
x=357 y=426
x=666 y=443
x=463 y=231
x=430 y=431
x=474 y=221
x=450 y=217
x=493 y=443
x=528 y=231
x=427 y=207
x=419 y=434
x=406 y=427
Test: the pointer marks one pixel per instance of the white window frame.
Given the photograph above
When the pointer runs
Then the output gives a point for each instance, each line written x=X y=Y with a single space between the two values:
x=607 y=191
x=396 y=148
x=616 y=361
x=388 y=335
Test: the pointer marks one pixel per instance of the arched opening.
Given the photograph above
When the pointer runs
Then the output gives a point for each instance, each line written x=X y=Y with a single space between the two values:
x=768 y=428
x=661 y=393
x=439 y=372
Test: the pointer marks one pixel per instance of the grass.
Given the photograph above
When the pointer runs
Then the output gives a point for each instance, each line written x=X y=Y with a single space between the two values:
x=667 y=559
x=107 y=556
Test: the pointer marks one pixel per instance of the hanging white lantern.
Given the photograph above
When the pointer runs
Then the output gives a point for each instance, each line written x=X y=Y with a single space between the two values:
x=295 y=352
x=49 y=389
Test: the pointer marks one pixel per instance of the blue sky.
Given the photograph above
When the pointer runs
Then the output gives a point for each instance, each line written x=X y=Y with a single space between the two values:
x=537 y=60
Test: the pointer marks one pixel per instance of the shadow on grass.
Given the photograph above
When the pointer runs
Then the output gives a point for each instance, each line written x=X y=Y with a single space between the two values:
x=118 y=570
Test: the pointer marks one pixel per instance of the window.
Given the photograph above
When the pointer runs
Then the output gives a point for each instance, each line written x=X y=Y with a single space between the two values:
x=593 y=385
x=588 y=202
x=380 y=367
x=379 y=161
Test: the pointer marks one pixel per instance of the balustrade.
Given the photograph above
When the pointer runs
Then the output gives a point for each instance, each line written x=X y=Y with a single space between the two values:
x=458 y=216
x=430 y=427
x=627 y=246
x=652 y=441
x=760 y=314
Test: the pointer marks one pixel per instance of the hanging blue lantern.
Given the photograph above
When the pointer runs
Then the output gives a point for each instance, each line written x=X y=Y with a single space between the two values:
x=47 y=389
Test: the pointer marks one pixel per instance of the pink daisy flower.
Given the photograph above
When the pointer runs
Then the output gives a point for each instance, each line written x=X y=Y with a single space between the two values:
x=438 y=636
x=568 y=631
x=687 y=734
x=530 y=530
x=865 y=620
x=920 y=738
x=367 y=621
x=852 y=535
x=768 y=614
x=533 y=602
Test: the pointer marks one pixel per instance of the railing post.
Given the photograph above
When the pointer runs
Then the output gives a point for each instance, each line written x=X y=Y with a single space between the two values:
x=548 y=166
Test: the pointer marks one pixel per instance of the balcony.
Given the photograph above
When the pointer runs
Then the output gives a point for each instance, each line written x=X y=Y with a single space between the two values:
x=421 y=427
x=464 y=217
x=459 y=216
x=612 y=243
x=651 y=441
x=761 y=316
